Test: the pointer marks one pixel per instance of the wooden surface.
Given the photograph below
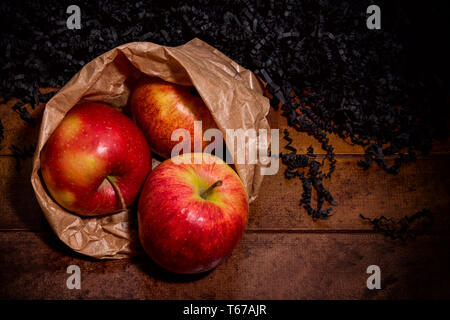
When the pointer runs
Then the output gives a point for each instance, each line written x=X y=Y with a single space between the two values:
x=284 y=254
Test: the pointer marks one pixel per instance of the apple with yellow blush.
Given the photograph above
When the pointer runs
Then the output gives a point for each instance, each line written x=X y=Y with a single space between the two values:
x=160 y=107
x=95 y=161
x=192 y=212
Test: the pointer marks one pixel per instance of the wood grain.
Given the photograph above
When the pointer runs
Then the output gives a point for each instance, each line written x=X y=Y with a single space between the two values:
x=423 y=184
x=18 y=205
x=16 y=131
x=263 y=266
x=284 y=253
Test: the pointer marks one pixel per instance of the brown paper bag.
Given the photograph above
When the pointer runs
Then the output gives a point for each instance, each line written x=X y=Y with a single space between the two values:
x=232 y=94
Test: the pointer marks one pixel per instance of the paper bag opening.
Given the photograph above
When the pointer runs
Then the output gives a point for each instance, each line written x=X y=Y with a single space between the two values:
x=233 y=94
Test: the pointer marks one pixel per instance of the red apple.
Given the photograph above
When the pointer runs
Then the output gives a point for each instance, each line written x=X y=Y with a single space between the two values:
x=94 y=159
x=160 y=107
x=191 y=216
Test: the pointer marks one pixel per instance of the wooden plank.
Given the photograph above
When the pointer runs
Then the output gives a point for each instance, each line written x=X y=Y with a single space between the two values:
x=17 y=132
x=423 y=184
x=263 y=266
x=19 y=208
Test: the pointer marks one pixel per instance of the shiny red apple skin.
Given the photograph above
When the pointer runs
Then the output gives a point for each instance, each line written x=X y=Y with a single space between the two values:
x=94 y=141
x=181 y=231
x=160 y=107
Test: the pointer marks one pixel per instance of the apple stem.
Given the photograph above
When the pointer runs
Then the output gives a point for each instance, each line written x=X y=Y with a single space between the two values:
x=218 y=183
x=117 y=191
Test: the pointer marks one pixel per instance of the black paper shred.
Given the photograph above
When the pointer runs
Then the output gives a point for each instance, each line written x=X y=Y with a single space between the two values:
x=21 y=109
x=21 y=154
x=405 y=228
x=307 y=169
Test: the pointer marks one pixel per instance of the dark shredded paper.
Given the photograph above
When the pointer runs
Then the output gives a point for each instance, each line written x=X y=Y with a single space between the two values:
x=386 y=90
x=308 y=170
x=406 y=228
